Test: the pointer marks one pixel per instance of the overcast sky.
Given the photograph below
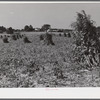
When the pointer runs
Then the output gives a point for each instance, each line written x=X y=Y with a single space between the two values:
x=58 y=15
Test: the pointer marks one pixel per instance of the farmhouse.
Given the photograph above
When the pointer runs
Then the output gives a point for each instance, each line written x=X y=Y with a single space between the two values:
x=67 y=30
x=56 y=30
x=53 y=30
x=37 y=29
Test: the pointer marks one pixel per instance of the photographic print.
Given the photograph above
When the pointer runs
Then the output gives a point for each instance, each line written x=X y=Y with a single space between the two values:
x=49 y=45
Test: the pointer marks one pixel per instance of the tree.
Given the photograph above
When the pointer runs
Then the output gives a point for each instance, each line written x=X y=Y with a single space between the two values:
x=10 y=30
x=86 y=37
x=45 y=27
x=2 y=29
x=26 y=28
x=31 y=28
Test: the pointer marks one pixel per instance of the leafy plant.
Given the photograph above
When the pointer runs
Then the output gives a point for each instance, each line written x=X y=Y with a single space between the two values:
x=86 y=36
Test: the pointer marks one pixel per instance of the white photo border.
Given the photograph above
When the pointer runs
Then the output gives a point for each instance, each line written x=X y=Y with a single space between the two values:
x=50 y=93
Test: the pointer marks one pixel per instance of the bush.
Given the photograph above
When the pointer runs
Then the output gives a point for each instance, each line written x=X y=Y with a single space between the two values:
x=5 y=40
x=26 y=40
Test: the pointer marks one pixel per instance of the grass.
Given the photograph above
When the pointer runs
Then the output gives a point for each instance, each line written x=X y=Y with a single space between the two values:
x=34 y=64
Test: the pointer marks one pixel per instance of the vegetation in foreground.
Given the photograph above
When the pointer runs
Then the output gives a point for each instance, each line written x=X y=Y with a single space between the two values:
x=38 y=65
x=68 y=60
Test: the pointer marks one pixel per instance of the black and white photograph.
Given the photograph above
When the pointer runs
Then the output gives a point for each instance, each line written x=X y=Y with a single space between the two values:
x=49 y=45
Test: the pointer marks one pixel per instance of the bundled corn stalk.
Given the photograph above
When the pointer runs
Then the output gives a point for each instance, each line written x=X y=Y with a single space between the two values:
x=26 y=40
x=48 y=39
x=87 y=39
x=5 y=40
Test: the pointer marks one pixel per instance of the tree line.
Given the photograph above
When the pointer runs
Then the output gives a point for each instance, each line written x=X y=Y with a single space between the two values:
x=30 y=28
x=27 y=28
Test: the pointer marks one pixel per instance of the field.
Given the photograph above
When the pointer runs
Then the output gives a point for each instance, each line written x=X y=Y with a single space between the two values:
x=38 y=65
